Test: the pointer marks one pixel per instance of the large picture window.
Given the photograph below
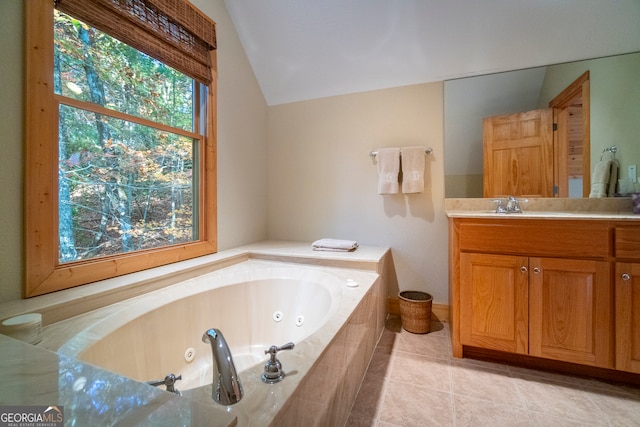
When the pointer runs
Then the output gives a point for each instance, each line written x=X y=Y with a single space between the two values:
x=120 y=154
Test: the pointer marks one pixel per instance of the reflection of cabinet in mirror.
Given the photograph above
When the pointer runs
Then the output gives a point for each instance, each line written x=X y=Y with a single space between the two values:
x=540 y=153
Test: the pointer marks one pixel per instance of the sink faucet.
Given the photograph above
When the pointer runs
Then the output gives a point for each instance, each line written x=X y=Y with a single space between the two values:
x=227 y=389
x=512 y=206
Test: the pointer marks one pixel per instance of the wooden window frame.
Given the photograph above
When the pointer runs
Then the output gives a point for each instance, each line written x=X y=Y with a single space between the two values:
x=43 y=272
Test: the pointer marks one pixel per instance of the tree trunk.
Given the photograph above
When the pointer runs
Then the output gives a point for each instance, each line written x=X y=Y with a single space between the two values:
x=66 y=243
x=96 y=90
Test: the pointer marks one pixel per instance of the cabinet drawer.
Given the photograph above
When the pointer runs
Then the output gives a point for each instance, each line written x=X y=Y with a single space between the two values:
x=557 y=238
x=627 y=242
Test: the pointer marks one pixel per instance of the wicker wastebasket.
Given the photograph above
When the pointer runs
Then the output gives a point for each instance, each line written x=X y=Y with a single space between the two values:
x=415 y=311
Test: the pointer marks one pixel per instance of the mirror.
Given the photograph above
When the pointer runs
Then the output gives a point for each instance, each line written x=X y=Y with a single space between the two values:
x=614 y=114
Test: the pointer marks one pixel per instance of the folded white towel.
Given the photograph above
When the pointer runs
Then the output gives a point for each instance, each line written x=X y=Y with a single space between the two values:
x=388 y=169
x=601 y=177
x=412 y=169
x=335 y=245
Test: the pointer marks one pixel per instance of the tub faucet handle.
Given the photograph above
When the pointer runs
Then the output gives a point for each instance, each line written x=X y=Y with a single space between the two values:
x=273 y=372
x=169 y=381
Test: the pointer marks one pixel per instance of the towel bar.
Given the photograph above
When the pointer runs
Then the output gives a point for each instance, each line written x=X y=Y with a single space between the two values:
x=373 y=154
x=611 y=150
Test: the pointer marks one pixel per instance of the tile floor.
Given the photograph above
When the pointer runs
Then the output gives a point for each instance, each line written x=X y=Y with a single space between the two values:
x=414 y=381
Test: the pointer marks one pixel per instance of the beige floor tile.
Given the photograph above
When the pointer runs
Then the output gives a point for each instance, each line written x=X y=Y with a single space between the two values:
x=422 y=371
x=470 y=412
x=541 y=419
x=559 y=399
x=619 y=409
x=423 y=344
x=359 y=421
x=486 y=384
x=370 y=398
x=410 y=405
x=413 y=380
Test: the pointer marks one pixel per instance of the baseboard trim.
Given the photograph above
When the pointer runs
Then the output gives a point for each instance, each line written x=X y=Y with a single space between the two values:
x=438 y=311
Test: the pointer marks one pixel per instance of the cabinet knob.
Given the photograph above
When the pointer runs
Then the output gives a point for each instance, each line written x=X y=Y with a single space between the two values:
x=625 y=276
x=523 y=269
x=536 y=269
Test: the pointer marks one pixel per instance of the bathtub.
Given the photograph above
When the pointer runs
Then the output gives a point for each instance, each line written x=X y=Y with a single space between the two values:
x=334 y=316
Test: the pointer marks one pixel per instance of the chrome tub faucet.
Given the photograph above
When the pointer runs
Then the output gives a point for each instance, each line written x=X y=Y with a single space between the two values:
x=227 y=389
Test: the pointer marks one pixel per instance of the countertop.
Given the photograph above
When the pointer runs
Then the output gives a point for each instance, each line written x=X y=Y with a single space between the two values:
x=92 y=396
x=618 y=209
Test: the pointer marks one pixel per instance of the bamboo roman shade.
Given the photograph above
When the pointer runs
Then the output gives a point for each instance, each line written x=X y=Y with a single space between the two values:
x=172 y=31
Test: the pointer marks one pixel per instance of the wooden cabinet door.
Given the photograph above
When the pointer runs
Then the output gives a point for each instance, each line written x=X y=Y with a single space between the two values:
x=518 y=154
x=570 y=315
x=494 y=302
x=628 y=317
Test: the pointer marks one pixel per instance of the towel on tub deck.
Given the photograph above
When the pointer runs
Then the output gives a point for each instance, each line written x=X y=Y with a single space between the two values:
x=412 y=169
x=335 y=245
x=388 y=169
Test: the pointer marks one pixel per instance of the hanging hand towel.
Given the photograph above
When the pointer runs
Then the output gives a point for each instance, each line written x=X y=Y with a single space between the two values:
x=388 y=169
x=335 y=245
x=613 y=178
x=412 y=169
x=600 y=179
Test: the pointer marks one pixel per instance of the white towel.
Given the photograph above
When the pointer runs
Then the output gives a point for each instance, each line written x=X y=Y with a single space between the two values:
x=388 y=169
x=613 y=178
x=412 y=169
x=335 y=245
x=601 y=178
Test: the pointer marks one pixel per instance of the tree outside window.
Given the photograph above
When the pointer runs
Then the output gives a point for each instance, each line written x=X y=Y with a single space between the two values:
x=131 y=144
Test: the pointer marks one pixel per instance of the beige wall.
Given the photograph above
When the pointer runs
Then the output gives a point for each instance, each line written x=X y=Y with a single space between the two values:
x=242 y=144
x=242 y=138
x=322 y=182
x=11 y=157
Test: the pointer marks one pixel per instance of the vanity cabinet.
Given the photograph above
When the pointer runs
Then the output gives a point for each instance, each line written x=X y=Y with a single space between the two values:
x=494 y=308
x=628 y=318
x=533 y=287
x=627 y=296
x=570 y=316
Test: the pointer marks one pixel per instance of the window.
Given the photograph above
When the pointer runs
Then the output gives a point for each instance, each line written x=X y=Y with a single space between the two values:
x=120 y=139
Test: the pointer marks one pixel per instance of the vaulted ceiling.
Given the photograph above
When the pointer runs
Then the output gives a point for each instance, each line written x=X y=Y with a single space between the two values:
x=307 y=49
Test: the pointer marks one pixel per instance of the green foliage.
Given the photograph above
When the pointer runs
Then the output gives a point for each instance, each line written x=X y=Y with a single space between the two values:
x=130 y=186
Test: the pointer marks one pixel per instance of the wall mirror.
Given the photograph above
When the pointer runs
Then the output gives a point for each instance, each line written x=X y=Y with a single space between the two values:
x=614 y=114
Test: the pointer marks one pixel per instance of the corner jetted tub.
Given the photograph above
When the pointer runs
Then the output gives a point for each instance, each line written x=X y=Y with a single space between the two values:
x=334 y=316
